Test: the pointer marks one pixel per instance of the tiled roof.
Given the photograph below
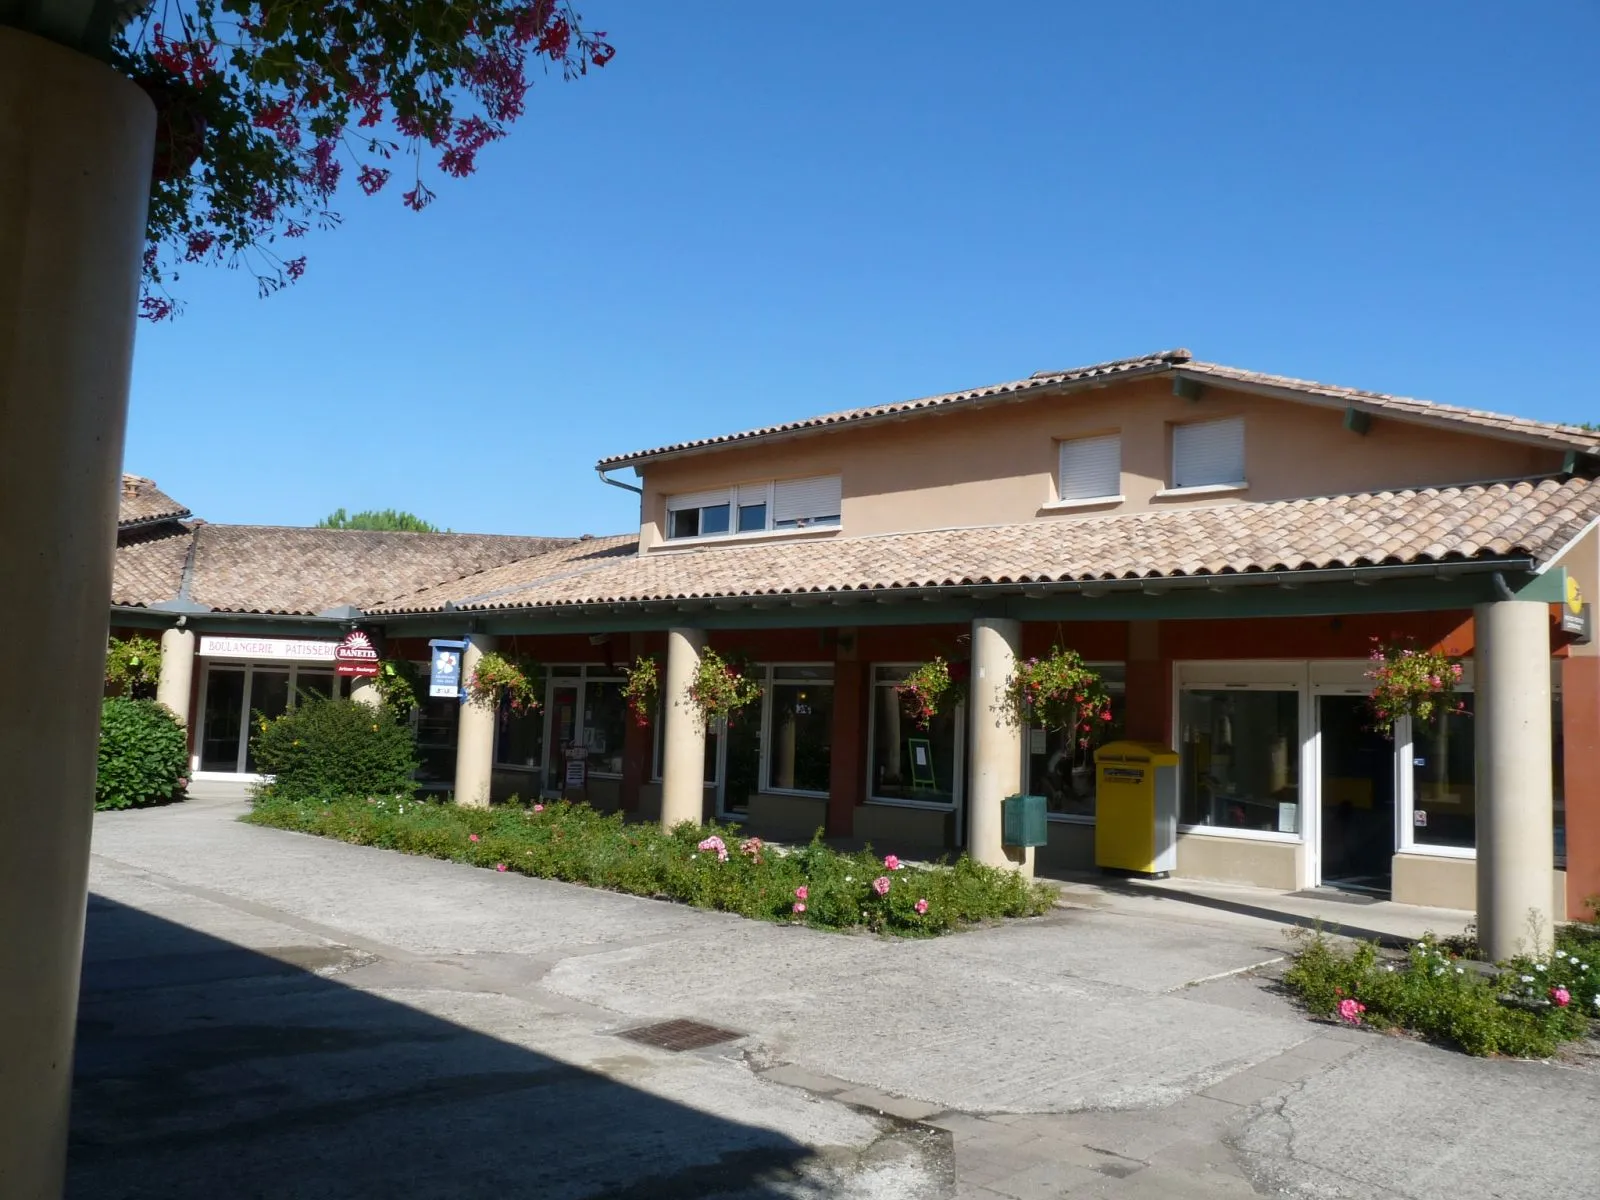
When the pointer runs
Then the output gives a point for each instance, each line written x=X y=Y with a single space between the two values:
x=1530 y=519
x=142 y=503
x=1178 y=362
x=276 y=569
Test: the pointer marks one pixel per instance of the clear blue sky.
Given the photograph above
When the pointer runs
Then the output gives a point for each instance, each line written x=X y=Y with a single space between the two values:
x=763 y=210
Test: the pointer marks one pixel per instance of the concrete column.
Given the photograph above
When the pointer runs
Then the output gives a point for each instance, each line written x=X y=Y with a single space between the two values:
x=176 y=683
x=1512 y=724
x=995 y=745
x=364 y=690
x=683 y=735
x=475 y=735
x=75 y=141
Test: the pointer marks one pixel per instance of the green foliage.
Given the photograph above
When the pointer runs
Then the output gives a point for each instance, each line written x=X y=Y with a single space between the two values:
x=384 y=520
x=133 y=666
x=1435 y=993
x=643 y=689
x=498 y=677
x=709 y=867
x=396 y=682
x=928 y=691
x=144 y=754
x=1059 y=692
x=325 y=748
x=1408 y=680
x=719 y=688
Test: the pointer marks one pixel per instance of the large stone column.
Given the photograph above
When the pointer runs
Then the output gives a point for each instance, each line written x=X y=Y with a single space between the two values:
x=995 y=744
x=75 y=154
x=364 y=690
x=475 y=734
x=1512 y=724
x=683 y=734
x=176 y=683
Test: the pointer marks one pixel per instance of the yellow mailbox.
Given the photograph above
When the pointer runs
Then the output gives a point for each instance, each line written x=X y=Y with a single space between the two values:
x=1136 y=808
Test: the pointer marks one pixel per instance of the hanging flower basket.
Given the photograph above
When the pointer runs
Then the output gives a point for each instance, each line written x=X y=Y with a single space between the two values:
x=497 y=678
x=133 y=667
x=720 y=688
x=1410 y=682
x=928 y=691
x=1059 y=692
x=643 y=689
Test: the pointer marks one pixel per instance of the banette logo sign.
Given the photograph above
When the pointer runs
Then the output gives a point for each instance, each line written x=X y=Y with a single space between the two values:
x=356 y=655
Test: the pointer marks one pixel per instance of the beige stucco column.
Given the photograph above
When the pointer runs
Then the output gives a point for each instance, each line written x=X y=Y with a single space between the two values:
x=75 y=154
x=176 y=682
x=1512 y=725
x=995 y=744
x=683 y=733
x=475 y=734
x=364 y=690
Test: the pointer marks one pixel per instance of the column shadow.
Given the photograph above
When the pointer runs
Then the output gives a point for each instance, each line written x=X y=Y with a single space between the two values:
x=205 y=1069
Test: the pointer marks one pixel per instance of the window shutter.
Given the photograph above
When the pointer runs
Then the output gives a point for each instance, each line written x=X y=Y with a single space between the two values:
x=697 y=500
x=1090 y=467
x=1208 y=452
x=797 y=500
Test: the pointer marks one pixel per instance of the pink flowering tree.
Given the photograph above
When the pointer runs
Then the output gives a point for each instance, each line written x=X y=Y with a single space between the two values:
x=264 y=107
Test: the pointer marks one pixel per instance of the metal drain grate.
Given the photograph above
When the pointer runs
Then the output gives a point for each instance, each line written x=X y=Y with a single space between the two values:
x=680 y=1035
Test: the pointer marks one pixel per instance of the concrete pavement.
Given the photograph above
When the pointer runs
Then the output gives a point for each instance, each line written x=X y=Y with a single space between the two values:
x=273 y=1015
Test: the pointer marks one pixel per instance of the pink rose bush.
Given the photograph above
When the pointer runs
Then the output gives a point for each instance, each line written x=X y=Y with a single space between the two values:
x=1350 y=1011
x=891 y=862
x=714 y=845
x=881 y=885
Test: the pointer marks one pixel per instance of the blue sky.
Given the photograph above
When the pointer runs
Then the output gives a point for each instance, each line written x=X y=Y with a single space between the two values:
x=762 y=211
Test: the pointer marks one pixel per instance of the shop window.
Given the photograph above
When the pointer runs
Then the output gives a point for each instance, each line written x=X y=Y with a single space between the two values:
x=605 y=725
x=713 y=749
x=1090 y=468
x=907 y=763
x=800 y=729
x=237 y=697
x=1240 y=759
x=756 y=508
x=436 y=721
x=1444 y=809
x=1062 y=771
x=519 y=738
x=1208 y=453
x=224 y=719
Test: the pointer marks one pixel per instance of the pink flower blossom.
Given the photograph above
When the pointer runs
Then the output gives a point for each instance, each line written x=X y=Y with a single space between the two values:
x=881 y=885
x=1560 y=997
x=1350 y=1011
x=717 y=845
x=891 y=862
x=499 y=866
x=798 y=907
x=472 y=837
x=802 y=893
x=921 y=906
x=538 y=808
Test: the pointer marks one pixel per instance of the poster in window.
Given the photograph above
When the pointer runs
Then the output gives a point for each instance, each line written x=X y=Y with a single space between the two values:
x=921 y=763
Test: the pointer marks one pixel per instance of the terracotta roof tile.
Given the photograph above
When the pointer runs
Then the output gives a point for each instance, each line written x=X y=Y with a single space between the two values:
x=1526 y=519
x=142 y=503
x=149 y=568
x=1174 y=362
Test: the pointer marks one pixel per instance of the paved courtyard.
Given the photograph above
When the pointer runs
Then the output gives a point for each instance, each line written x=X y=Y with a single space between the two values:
x=272 y=1015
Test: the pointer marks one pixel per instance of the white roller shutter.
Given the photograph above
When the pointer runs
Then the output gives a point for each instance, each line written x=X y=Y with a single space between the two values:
x=1090 y=467
x=697 y=500
x=1208 y=452
x=804 y=501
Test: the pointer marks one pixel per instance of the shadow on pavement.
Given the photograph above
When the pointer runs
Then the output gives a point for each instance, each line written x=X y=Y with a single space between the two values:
x=205 y=1069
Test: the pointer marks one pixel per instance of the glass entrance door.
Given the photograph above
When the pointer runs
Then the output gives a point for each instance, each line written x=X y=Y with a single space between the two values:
x=562 y=730
x=1358 y=795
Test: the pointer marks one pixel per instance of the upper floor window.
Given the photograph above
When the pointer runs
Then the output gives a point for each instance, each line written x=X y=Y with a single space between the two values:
x=1090 y=468
x=755 y=508
x=1208 y=453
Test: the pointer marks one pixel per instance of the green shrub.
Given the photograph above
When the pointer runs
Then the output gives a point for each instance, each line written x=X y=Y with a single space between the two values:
x=709 y=867
x=1435 y=993
x=144 y=754
x=325 y=749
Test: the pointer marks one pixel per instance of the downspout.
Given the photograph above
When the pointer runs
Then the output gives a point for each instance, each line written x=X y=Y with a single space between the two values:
x=617 y=483
x=1502 y=588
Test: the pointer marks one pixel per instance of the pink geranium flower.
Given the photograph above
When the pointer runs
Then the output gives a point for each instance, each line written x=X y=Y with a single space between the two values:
x=921 y=906
x=881 y=885
x=891 y=862
x=1350 y=1011
x=499 y=866
x=538 y=808
x=1560 y=997
x=472 y=837
x=714 y=844
x=802 y=893
x=798 y=907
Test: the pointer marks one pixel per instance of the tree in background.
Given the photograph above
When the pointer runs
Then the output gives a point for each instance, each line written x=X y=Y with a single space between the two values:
x=387 y=520
x=263 y=107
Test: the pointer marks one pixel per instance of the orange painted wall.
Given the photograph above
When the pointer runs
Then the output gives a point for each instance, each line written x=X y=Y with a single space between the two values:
x=1580 y=711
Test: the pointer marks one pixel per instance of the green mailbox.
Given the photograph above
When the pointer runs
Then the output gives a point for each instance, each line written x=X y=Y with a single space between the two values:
x=1022 y=821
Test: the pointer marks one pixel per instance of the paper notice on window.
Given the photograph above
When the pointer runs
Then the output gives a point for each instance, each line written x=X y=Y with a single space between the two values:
x=1036 y=743
x=922 y=755
x=1288 y=817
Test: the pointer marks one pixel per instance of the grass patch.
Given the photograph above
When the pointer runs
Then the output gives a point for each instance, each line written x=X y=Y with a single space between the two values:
x=1525 y=1008
x=708 y=866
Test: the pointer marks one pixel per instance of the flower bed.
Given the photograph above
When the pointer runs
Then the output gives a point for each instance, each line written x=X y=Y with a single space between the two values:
x=1525 y=1009
x=706 y=866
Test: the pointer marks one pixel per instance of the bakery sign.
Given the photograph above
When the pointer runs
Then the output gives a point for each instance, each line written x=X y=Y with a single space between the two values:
x=355 y=655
